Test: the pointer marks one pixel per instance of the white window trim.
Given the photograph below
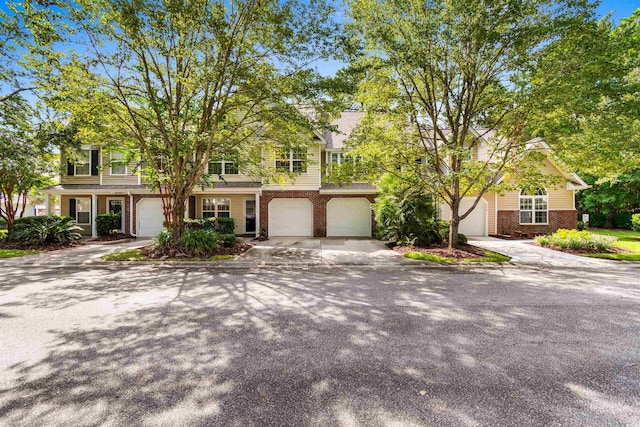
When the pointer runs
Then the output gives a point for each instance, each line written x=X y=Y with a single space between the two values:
x=88 y=163
x=533 y=209
x=216 y=206
x=222 y=167
x=291 y=160
x=90 y=207
x=126 y=169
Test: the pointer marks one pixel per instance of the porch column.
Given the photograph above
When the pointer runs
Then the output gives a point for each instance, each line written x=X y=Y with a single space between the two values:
x=48 y=202
x=257 y=214
x=94 y=213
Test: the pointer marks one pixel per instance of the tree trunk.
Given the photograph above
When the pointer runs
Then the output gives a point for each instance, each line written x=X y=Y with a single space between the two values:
x=177 y=220
x=454 y=222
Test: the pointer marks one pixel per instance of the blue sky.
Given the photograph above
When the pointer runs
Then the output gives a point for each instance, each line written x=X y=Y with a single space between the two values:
x=620 y=8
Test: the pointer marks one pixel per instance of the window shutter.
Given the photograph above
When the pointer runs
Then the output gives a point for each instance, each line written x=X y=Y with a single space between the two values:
x=94 y=162
x=70 y=169
x=72 y=208
x=192 y=207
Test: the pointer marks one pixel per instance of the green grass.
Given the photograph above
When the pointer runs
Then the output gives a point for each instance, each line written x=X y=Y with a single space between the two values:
x=136 y=255
x=127 y=255
x=14 y=253
x=627 y=239
x=489 y=256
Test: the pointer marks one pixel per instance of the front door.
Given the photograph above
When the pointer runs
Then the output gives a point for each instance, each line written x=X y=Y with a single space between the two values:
x=249 y=216
x=116 y=206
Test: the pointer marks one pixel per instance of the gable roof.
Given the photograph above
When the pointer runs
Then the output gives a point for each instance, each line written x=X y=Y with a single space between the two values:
x=345 y=124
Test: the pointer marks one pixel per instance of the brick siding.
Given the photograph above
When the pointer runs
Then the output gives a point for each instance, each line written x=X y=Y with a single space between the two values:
x=319 y=202
x=509 y=222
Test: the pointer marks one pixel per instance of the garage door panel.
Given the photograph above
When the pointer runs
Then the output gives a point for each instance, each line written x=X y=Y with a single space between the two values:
x=150 y=218
x=290 y=217
x=349 y=217
x=475 y=223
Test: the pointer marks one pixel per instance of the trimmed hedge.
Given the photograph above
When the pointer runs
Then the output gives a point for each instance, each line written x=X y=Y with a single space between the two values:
x=635 y=222
x=219 y=225
x=623 y=220
x=577 y=240
x=597 y=220
x=106 y=223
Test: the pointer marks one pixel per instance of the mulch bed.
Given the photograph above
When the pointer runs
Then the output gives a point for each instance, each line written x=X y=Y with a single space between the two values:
x=46 y=248
x=155 y=253
x=111 y=238
x=464 y=251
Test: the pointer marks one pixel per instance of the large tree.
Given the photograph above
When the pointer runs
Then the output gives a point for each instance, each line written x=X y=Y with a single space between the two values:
x=181 y=83
x=29 y=31
x=432 y=71
x=586 y=97
x=25 y=165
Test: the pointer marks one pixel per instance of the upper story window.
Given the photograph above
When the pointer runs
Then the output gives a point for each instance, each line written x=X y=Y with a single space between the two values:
x=291 y=160
x=118 y=165
x=223 y=167
x=82 y=166
x=341 y=158
x=534 y=206
x=218 y=208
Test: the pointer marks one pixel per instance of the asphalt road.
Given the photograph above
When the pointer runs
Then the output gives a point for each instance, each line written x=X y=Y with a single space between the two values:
x=319 y=347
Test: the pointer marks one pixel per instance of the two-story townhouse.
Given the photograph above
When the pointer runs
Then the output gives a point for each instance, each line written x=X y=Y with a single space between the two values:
x=305 y=206
x=97 y=182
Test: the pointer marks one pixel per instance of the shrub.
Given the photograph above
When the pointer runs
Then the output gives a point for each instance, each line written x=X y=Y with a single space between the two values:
x=597 y=220
x=106 y=223
x=227 y=239
x=164 y=238
x=406 y=215
x=577 y=240
x=40 y=230
x=462 y=239
x=583 y=225
x=635 y=222
x=3 y=224
x=200 y=242
x=622 y=220
x=220 y=225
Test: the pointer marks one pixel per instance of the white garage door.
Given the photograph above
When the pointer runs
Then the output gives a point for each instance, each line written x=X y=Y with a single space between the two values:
x=476 y=223
x=149 y=217
x=349 y=217
x=290 y=217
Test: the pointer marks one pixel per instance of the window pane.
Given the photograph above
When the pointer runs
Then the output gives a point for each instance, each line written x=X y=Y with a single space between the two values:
x=82 y=169
x=223 y=215
x=208 y=205
x=223 y=204
x=83 y=218
x=215 y=168
x=208 y=214
x=118 y=169
x=541 y=203
x=526 y=203
x=525 y=217
x=541 y=217
x=230 y=168
x=335 y=157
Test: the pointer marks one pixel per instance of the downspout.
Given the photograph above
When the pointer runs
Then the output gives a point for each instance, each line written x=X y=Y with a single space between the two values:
x=131 y=214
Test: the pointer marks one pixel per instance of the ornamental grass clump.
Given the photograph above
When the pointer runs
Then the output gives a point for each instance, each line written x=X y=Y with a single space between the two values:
x=577 y=241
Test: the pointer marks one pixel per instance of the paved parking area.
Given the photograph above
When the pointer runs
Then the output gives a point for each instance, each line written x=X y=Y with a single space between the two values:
x=347 y=346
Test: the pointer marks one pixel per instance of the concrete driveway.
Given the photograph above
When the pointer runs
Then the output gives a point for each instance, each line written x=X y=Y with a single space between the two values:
x=524 y=252
x=314 y=251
